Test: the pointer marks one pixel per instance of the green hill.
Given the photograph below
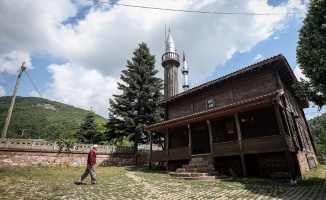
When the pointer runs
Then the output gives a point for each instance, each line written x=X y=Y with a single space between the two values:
x=317 y=127
x=35 y=118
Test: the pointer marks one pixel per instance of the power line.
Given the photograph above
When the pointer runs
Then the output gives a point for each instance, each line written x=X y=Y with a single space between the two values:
x=9 y=80
x=314 y=113
x=192 y=11
x=35 y=86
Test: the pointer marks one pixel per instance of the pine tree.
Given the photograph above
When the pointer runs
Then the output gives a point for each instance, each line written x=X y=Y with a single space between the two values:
x=311 y=54
x=87 y=132
x=136 y=107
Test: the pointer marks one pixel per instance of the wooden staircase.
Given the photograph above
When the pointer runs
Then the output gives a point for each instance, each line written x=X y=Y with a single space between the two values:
x=199 y=168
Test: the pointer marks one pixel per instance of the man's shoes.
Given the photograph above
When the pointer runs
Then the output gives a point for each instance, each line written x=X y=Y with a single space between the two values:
x=95 y=183
x=78 y=183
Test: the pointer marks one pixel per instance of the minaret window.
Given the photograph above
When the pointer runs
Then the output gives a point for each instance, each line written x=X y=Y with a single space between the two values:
x=210 y=103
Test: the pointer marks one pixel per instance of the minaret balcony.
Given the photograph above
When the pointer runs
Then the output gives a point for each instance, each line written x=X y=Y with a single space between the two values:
x=170 y=58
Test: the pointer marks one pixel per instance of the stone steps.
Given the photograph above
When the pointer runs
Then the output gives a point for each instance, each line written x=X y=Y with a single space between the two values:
x=191 y=165
x=185 y=174
x=198 y=169
x=195 y=170
x=198 y=178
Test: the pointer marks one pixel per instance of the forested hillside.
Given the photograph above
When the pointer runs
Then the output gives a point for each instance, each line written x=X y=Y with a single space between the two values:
x=317 y=127
x=35 y=118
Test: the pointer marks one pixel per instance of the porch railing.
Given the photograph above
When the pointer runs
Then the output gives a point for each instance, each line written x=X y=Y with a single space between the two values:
x=265 y=144
x=173 y=154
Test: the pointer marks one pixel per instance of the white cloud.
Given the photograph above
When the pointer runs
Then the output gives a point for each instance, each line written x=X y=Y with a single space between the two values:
x=81 y=87
x=258 y=56
x=297 y=8
x=12 y=61
x=298 y=73
x=103 y=40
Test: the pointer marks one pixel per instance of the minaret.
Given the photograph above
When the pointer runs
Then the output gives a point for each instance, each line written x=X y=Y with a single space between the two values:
x=185 y=71
x=170 y=62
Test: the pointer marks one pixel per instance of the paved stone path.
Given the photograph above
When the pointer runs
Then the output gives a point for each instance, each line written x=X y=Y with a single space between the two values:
x=155 y=189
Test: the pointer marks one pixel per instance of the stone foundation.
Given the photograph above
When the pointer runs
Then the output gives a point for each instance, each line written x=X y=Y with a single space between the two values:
x=306 y=161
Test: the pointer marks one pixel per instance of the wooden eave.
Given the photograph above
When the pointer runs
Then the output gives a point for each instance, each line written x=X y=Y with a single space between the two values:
x=277 y=62
x=214 y=112
x=288 y=78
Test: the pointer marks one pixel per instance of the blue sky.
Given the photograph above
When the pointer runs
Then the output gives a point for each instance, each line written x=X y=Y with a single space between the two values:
x=75 y=50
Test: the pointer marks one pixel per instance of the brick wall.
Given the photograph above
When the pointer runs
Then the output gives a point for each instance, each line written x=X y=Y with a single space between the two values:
x=34 y=158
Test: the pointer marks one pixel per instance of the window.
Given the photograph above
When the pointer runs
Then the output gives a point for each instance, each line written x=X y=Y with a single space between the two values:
x=210 y=103
x=229 y=127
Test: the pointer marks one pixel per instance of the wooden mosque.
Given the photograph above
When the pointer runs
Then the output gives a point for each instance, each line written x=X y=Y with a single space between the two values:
x=249 y=123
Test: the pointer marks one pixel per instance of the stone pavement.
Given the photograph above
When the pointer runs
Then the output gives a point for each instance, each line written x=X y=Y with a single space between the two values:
x=154 y=189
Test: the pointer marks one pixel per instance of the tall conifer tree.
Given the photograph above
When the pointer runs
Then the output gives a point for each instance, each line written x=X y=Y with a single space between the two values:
x=87 y=132
x=136 y=107
x=311 y=54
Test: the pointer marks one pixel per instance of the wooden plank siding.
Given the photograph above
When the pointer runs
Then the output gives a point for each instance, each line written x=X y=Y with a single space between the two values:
x=200 y=104
x=250 y=146
x=174 y=154
x=222 y=98
x=226 y=148
x=158 y=156
x=266 y=144
x=251 y=87
x=255 y=86
x=179 y=153
x=263 y=144
x=301 y=132
x=179 y=109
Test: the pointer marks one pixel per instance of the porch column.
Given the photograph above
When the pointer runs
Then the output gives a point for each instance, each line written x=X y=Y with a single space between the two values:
x=210 y=135
x=150 y=150
x=167 y=148
x=190 y=142
x=243 y=163
x=286 y=148
x=167 y=143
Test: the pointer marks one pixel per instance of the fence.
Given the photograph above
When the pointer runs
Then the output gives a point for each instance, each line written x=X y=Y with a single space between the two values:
x=48 y=146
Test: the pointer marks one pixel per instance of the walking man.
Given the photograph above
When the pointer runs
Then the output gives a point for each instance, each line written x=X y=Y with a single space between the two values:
x=90 y=169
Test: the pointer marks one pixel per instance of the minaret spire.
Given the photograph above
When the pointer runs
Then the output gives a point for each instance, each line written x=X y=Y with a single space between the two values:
x=185 y=71
x=170 y=62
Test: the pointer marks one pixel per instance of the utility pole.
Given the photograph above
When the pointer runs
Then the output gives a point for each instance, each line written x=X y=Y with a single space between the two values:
x=5 y=128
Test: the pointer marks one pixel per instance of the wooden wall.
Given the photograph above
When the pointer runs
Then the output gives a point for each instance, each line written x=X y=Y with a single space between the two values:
x=297 y=124
x=178 y=137
x=250 y=87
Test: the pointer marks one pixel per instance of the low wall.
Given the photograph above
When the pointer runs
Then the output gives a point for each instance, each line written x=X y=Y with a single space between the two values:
x=48 y=146
x=25 y=158
x=33 y=152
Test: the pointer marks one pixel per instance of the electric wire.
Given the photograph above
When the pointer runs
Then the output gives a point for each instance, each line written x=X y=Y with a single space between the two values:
x=34 y=86
x=9 y=80
x=315 y=113
x=191 y=11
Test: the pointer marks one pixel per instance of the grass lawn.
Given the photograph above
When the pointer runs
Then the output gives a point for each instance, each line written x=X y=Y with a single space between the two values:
x=140 y=183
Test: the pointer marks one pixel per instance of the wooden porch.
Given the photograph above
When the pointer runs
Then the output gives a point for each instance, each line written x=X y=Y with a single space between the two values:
x=267 y=144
